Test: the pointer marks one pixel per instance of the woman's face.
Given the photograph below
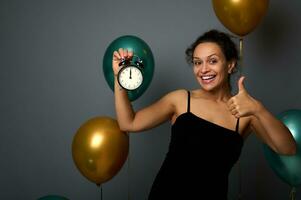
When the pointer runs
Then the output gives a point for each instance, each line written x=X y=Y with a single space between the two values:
x=210 y=66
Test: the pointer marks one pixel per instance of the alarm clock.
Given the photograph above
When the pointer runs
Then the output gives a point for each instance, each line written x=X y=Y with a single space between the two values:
x=130 y=76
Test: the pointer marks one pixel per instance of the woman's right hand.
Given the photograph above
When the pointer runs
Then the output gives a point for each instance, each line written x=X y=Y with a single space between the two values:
x=117 y=58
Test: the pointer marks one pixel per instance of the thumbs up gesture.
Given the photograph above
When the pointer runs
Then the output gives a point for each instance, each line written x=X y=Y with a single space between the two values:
x=242 y=104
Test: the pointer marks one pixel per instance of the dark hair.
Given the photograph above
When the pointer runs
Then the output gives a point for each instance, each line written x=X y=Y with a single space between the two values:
x=223 y=40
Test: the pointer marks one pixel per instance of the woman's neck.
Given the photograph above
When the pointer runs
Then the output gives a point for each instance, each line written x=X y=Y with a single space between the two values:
x=219 y=95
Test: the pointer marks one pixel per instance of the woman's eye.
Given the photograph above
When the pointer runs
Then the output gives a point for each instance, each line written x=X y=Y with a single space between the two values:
x=197 y=62
x=212 y=61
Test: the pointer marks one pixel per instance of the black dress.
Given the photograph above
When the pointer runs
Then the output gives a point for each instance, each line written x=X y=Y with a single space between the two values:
x=200 y=157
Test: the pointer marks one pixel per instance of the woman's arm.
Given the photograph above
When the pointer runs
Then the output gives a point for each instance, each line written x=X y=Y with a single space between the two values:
x=271 y=130
x=146 y=118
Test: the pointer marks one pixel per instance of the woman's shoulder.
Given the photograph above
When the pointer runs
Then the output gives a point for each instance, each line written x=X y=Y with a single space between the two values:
x=176 y=94
x=177 y=98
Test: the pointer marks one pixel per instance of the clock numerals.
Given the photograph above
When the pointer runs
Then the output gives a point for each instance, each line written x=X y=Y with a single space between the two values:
x=130 y=77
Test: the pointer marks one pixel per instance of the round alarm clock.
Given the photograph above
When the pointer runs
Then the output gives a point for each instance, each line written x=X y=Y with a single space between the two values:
x=130 y=76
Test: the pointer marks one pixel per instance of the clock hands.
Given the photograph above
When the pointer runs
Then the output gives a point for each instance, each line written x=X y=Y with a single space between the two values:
x=130 y=75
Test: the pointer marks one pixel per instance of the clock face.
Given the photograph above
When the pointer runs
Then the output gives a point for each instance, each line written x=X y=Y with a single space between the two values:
x=130 y=77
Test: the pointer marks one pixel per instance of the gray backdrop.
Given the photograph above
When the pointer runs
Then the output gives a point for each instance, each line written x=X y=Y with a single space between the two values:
x=51 y=82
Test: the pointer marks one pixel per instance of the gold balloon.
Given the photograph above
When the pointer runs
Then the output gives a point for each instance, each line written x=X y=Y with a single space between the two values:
x=100 y=149
x=240 y=16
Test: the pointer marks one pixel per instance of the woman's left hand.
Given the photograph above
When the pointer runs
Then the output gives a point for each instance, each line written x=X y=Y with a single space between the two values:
x=242 y=104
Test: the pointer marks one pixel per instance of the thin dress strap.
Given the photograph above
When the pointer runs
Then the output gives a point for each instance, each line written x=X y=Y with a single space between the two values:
x=237 y=125
x=188 y=101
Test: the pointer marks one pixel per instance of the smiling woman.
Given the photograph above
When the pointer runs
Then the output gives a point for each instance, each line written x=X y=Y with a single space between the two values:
x=209 y=124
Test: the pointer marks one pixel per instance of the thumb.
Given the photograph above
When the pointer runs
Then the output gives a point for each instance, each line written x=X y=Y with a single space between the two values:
x=241 y=86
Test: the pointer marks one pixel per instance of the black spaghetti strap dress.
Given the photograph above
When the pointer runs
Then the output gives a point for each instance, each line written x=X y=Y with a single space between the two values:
x=199 y=159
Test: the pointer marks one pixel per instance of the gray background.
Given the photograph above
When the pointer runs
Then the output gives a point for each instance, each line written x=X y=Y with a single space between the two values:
x=51 y=82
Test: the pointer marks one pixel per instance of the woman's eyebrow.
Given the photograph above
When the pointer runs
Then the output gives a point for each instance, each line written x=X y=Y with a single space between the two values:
x=197 y=58
x=212 y=55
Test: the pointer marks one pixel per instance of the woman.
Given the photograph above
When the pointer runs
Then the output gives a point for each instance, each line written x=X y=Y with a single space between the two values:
x=209 y=125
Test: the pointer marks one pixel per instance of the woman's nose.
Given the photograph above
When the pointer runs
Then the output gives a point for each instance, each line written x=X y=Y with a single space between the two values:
x=204 y=68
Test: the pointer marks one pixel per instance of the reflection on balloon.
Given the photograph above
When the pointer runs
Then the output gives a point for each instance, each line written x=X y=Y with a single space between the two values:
x=240 y=16
x=288 y=168
x=99 y=149
x=52 y=197
x=140 y=49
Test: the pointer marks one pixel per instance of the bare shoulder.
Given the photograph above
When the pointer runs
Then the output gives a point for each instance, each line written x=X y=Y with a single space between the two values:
x=177 y=94
x=170 y=100
x=176 y=97
x=158 y=112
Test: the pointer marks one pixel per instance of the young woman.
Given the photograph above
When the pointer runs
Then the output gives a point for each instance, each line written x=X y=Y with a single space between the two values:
x=209 y=124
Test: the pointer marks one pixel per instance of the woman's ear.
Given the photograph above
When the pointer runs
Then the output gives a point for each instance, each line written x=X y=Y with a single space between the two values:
x=231 y=66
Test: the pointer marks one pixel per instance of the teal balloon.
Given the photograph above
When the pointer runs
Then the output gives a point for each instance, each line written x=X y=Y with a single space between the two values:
x=288 y=168
x=140 y=49
x=52 y=197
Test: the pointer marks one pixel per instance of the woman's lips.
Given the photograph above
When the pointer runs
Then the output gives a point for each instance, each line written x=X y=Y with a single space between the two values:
x=207 y=78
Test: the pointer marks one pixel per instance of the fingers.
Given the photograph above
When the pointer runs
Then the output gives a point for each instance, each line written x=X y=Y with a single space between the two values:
x=237 y=115
x=235 y=111
x=231 y=102
x=233 y=107
x=130 y=54
x=116 y=56
x=122 y=54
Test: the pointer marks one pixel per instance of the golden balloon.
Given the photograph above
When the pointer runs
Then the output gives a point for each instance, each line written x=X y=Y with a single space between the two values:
x=240 y=16
x=100 y=149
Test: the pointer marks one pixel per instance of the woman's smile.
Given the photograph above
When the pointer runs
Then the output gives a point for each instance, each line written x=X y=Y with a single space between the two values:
x=206 y=79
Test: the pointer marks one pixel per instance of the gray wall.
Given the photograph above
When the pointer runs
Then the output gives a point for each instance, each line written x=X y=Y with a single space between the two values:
x=51 y=82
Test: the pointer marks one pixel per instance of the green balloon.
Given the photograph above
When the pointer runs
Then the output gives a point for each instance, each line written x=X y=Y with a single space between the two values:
x=140 y=49
x=288 y=168
x=52 y=197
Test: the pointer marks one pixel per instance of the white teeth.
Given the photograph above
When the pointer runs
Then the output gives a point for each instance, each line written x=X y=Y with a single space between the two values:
x=208 y=77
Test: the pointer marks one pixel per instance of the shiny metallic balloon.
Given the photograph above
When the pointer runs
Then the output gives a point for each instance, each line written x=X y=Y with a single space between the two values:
x=100 y=149
x=288 y=168
x=240 y=16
